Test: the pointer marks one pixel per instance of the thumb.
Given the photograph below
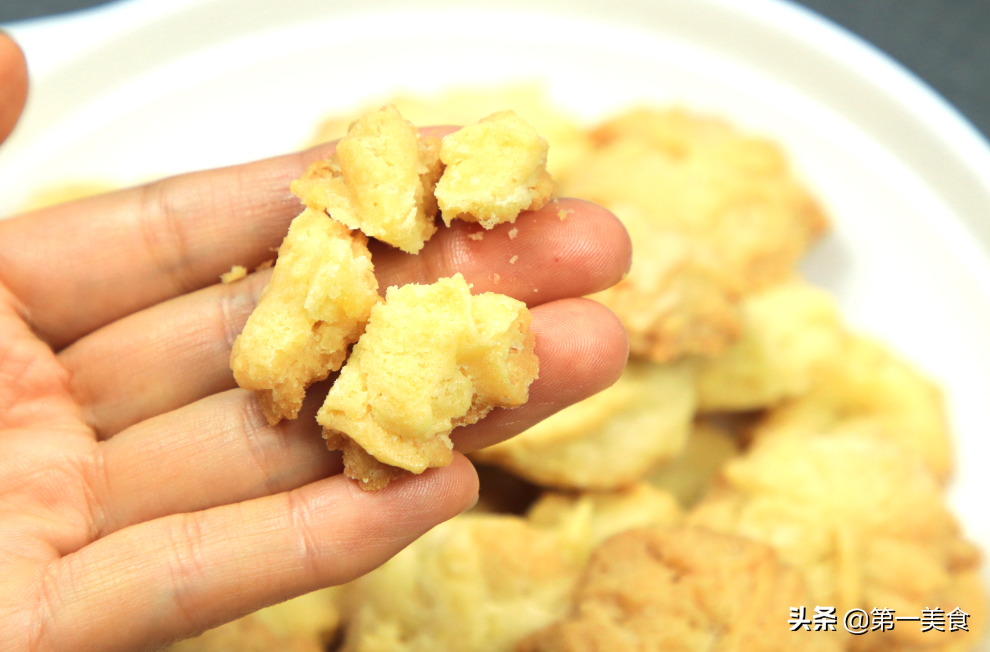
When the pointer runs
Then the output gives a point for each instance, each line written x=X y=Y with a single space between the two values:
x=13 y=84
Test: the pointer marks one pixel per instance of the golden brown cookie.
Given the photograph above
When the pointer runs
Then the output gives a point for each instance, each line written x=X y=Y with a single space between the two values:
x=865 y=388
x=863 y=521
x=433 y=357
x=790 y=333
x=495 y=169
x=380 y=180
x=683 y=590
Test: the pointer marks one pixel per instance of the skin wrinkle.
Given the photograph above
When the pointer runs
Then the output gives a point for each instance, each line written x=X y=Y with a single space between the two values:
x=458 y=254
x=299 y=512
x=209 y=326
x=13 y=304
x=185 y=569
x=243 y=437
x=236 y=305
x=48 y=524
x=162 y=237
x=51 y=388
x=96 y=485
x=12 y=384
x=253 y=422
x=41 y=636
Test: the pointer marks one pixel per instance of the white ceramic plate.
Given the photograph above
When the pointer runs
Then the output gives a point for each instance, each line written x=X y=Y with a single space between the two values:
x=905 y=179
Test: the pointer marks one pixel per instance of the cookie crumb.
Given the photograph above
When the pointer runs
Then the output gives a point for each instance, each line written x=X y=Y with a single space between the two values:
x=513 y=232
x=496 y=278
x=564 y=213
x=535 y=290
x=495 y=169
x=236 y=273
x=477 y=236
x=512 y=261
x=265 y=265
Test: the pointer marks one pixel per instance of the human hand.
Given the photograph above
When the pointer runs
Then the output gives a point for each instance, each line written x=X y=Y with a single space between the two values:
x=143 y=497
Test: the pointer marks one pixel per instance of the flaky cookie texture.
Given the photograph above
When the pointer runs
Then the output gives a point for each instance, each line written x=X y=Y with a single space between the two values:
x=730 y=196
x=477 y=583
x=303 y=624
x=700 y=177
x=495 y=169
x=791 y=333
x=866 y=388
x=482 y=582
x=677 y=299
x=609 y=440
x=863 y=521
x=682 y=590
x=316 y=305
x=380 y=180
x=433 y=357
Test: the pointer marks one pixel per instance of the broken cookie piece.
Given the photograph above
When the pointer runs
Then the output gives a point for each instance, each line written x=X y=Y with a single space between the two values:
x=433 y=358
x=380 y=180
x=315 y=306
x=495 y=170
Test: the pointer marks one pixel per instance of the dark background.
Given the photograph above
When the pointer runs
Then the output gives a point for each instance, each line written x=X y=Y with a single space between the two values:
x=945 y=42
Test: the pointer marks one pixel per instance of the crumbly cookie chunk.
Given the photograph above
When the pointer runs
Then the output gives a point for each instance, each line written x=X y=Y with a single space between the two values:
x=315 y=306
x=360 y=465
x=609 y=440
x=303 y=624
x=569 y=142
x=863 y=521
x=790 y=333
x=865 y=388
x=689 y=476
x=677 y=299
x=380 y=181
x=684 y=590
x=477 y=583
x=495 y=169
x=433 y=358
x=236 y=273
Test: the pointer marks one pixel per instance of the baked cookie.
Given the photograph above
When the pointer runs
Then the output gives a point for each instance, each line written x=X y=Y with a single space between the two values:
x=433 y=357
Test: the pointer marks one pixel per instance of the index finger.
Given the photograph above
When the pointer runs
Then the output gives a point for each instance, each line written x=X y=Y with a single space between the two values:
x=82 y=265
